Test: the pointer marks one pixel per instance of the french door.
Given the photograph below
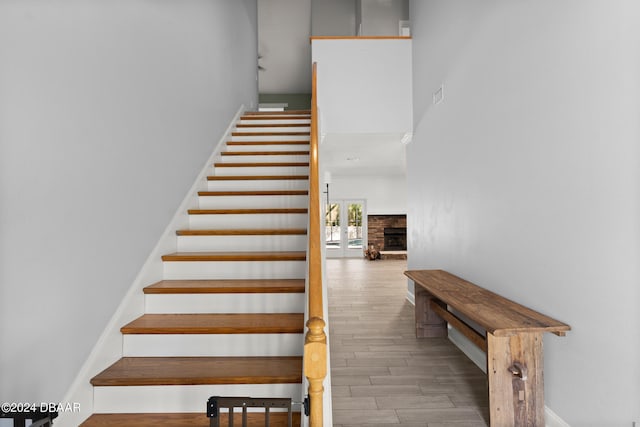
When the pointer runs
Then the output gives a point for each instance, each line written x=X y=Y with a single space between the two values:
x=345 y=228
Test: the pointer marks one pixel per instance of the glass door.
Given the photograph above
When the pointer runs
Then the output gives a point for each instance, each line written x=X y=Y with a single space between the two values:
x=345 y=228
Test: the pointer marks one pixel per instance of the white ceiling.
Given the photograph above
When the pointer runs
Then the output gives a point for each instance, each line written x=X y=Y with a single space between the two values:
x=363 y=154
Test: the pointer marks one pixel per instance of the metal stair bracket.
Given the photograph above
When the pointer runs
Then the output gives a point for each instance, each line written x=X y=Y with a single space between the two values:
x=216 y=403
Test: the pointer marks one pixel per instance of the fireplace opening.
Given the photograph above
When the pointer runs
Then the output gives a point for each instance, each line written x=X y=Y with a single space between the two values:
x=395 y=239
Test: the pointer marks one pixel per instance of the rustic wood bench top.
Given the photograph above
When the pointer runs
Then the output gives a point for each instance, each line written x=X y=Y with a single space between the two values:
x=496 y=314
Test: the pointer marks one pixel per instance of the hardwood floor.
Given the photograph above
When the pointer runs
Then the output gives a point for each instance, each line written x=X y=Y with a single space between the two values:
x=382 y=374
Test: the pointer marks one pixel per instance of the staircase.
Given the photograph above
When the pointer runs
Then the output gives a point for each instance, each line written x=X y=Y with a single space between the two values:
x=227 y=320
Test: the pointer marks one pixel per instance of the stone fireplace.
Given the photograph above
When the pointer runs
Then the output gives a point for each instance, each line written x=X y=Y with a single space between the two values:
x=387 y=232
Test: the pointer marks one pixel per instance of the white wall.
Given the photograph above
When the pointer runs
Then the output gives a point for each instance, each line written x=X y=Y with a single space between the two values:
x=364 y=86
x=333 y=17
x=384 y=194
x=526 y=179
x=284 y=27
x=381 y=17
x=108 y=111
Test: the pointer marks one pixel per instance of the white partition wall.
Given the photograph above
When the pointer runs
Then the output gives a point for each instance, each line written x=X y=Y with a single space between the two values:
x=108 y=111
x=364 y=85
x=526 y=178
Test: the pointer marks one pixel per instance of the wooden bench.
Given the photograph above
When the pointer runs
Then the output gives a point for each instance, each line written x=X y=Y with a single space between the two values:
x=512 y=342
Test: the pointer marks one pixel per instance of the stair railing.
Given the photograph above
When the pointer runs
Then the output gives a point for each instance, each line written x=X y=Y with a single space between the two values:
x=37 y=416
x=315 y=347
x=216 y=403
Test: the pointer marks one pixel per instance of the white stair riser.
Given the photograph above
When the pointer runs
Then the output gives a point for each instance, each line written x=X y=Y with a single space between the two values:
x=255 y=184
x=270 y=137
x=295 y=242
x=250 y=202
x=270 y=147
x=279 y=129
x=213 y=345
x=275 y=121
x=224 y=303
x=231 y=221
x=175 y=398
x=270 y=158
x=261 y=170
x=176 y=270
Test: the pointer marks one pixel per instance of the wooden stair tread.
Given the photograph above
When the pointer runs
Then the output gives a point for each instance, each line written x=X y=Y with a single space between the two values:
x=273 y=125
x=236 y=256
x=265 y=153
x=267 y=142
x=257 y=177
x=247 y=211
x=217 y=323
x=227 y=286
x=141 y=371
x=259 y=164
x=254 y=193
x=197 y=419
x=294 y=133
x=276 y=113
x=291 y=116
x=244 y=232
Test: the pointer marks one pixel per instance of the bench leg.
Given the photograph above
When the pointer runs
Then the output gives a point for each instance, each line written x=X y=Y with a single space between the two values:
x=428 y=323
x=516 y=386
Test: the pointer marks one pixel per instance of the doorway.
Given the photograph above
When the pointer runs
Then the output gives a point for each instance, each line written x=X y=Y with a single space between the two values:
x=345 y=229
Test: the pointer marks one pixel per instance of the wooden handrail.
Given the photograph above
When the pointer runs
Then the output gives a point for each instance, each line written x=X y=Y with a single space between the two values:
x=315 y=347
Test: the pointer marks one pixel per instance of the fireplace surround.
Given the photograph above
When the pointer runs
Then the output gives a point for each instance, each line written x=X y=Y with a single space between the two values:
x=387 y=232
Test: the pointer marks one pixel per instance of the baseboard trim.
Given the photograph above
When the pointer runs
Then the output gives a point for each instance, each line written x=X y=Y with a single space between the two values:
x=551 y=419
x=477 y=356
x=411 y=297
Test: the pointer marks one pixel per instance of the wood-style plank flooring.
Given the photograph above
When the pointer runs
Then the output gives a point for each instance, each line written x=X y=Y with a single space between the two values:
x=382 y=374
